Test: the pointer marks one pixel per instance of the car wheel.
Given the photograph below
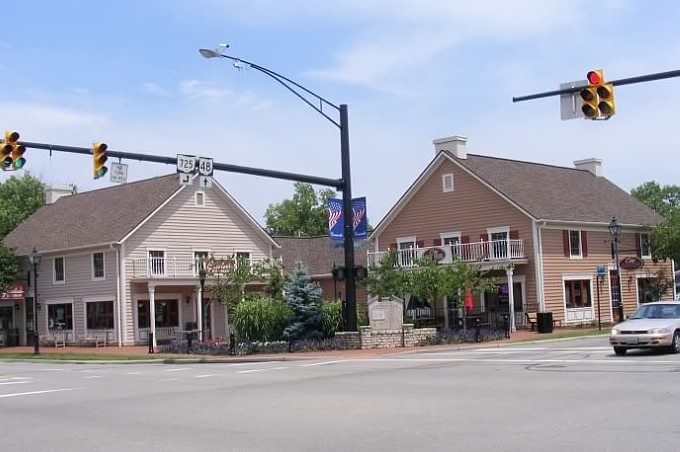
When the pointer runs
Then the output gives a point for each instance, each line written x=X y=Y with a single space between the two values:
x=675 y=345
x=620 y=351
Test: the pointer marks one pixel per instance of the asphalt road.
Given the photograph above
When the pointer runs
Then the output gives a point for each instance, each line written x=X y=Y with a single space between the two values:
x=558 y=396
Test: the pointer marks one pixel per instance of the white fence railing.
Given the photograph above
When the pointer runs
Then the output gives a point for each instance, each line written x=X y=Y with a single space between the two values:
x=167 y=267
x=494 y=250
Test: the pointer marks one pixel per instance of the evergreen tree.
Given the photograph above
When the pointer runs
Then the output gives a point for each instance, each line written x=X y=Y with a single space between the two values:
x=304 y=298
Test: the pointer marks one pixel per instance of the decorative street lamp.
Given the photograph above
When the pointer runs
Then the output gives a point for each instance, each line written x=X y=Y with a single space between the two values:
x=346 y=185
x=34 y=258
x=201 y=277
x=615 y=231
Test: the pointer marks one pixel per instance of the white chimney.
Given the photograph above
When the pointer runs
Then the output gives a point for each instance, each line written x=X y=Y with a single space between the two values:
x=593 y=166
x=54 y=192
x=455 y=145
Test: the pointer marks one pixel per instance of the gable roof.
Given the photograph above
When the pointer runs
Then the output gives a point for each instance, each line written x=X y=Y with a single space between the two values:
x=101 y=217
x=542 y=192
x=315 y=253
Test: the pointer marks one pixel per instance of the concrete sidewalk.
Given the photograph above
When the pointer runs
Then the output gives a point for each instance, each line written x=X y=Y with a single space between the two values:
x=141 y=353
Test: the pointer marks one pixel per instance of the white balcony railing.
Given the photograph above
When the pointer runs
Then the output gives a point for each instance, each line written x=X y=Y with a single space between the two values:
x=166 y=267
x=491 y=251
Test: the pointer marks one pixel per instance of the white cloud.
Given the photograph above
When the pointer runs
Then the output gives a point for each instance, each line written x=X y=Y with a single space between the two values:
x=155 y=90
x=198 y=90
x=44 y=115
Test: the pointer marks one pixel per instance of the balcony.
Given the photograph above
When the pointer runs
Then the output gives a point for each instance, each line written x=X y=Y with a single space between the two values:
x=490 y=252
x=180 y=266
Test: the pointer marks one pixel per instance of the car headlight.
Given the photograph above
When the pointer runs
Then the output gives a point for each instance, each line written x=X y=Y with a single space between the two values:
x=661 y=330
x=615 y=331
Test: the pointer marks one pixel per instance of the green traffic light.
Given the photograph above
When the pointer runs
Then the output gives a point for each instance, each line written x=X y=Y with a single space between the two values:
x=7 y=162
x=101 y=172
x=19 y=163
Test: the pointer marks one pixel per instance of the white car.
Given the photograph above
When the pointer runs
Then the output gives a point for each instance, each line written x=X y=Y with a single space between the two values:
x=653 y=325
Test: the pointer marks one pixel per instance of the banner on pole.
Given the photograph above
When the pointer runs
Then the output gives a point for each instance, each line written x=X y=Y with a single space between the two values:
x=336 y=221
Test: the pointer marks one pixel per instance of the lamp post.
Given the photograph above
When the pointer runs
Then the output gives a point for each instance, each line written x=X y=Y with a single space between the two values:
x=346 y=186
x=34 y=258
x=615 y=231
x=201 y=278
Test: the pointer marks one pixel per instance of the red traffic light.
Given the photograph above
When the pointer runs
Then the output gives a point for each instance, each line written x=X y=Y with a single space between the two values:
x=594 y=77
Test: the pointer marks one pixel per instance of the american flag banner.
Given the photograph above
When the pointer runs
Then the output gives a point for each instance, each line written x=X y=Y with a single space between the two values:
x=336 y=221
x=359 y=219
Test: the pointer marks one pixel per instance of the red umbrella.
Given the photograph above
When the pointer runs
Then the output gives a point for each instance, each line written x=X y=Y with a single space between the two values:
x=469 y=304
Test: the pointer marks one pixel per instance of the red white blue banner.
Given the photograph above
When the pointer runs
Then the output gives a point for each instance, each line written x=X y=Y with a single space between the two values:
x=336 y=221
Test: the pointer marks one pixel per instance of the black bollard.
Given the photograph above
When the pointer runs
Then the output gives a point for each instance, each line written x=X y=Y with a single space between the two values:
x=190 y=339
x=478 y=334
x=232 y=344
x=151 y=343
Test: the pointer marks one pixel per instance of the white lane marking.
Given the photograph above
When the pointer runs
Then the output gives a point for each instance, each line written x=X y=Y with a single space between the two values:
x=54 y=370
x=15 y=378
x=89 y=377
x=279 y=368
x=14 y=382
x=18 y=394
x=323 y=363
x=178 y=369
x=207 y=375
x=134 y=373
x=517 y=360
x=250 y=371
x=539 y=349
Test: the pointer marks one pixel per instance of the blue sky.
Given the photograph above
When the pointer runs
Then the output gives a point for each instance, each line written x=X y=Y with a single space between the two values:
x=129 y=74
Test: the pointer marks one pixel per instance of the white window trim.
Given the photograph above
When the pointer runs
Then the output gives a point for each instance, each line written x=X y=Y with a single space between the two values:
x=450 y=235
x=46 y=316
x=193 y=256
x=401 y=240
x=250 y=256
x=446 y=189
x=593 y=300
x=580 y=245
x=98 y=278
x=196 y=198
x=165 y=261
x=499 y=230
x=638 y=277
x=54 y=270
x=144 y=296
x=645 y=256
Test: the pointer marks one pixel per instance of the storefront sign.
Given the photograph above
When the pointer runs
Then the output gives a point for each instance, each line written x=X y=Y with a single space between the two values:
x=218 y=266
x=436 y=254
x=631 y=263
x=15 y=291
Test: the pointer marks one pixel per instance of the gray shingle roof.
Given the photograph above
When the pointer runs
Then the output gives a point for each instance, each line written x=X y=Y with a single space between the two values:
x=103 y=216
x=558 y=193
x=316 y=253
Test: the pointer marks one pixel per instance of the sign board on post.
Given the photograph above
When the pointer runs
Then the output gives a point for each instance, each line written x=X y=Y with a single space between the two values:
x=186 y=163
x=570 y=104
x=205 y=181
x=601 y=271
x=119 y=173
x=205 y=166
x=186 y=178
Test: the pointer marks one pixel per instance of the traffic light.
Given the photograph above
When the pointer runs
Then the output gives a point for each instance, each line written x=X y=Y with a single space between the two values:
x=99 y=159
x=598 y=96
x=12 y=153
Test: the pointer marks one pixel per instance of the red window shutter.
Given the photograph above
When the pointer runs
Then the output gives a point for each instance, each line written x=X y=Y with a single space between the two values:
x=584 y=243
x=420 y=243
x=465 y=239
x=393 y=246
x=565 y=242
x=484 y=237
x=514 y=234
x=638 y=245
x=437 y=242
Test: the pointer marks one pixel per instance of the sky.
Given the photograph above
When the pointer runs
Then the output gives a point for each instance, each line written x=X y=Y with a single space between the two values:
x=128 y=73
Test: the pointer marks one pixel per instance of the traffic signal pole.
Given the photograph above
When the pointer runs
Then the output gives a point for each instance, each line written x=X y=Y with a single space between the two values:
x=338 y=184
x=621 y=82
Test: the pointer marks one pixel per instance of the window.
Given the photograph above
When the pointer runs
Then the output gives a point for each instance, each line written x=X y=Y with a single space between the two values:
x=575 y=243
x=59 y=271
x=98 y=266
x=645 y=246
x=649 y=290
x=200 y=258
x=156 y=262
x=452 y=240
x=60 y=316
x=200 y=198
x=243 y=259
x=577 y=293
x=406 y=250
x=447 y=182
x=499 y=242
x=167 y=313
x=99 y=315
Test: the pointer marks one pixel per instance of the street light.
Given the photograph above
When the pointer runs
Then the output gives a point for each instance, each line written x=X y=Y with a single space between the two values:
x=343 y=126
x=34 y=258
x=615 y=231
x=201 y=277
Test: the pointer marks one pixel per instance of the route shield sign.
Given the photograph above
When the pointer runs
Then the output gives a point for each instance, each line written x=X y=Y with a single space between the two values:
x=186 y=163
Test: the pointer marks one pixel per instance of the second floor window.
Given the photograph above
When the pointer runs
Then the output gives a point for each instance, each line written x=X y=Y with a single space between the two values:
x=200 y=260
x=157 y=262
x=645 y=246
x=243 y=259
x=575 y=243
x=98 y=265
x=59 y=272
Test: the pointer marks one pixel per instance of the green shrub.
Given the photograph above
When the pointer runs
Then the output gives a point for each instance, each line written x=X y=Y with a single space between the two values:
x=262 y=319
x=332 y=315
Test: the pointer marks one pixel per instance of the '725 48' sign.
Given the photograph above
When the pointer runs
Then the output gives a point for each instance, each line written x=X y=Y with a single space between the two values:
x=186 y=163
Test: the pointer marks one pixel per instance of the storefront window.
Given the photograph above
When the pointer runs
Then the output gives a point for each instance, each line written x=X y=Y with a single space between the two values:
x=100 y=315
x=60 y=316
x=577 y=293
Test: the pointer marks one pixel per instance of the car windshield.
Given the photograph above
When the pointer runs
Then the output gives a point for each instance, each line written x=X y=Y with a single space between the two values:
x=658 y=311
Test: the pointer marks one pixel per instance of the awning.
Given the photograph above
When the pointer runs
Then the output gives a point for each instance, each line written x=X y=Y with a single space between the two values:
x=15 y=291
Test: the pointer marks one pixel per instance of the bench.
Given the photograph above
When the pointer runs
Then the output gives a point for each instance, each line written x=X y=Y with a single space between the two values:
x=532 y=318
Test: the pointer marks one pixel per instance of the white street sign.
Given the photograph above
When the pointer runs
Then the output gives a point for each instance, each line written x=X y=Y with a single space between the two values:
x=205 y=166
x=119 y=172
x=205 y=181
x=570 y=104
x=186 y=163
x=186 y=178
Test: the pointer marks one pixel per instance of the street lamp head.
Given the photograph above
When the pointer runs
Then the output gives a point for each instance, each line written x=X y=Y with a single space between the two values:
x=208 y=53
x=614 y=227
x=34 y=257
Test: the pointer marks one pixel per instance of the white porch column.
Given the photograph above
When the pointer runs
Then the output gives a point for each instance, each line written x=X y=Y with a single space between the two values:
x=199 y=312
x=152 y=314
x=511 y=298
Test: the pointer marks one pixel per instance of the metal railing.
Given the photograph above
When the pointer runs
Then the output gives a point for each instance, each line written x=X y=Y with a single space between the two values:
x=167 y=267
x=494 y=250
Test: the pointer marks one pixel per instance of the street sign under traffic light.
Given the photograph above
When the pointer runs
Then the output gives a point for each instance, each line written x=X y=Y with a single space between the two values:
x=598 y=96
x=12 y=153
x=99 y=159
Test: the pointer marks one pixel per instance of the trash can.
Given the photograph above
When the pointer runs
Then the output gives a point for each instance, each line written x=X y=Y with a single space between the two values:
x=544 y=322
